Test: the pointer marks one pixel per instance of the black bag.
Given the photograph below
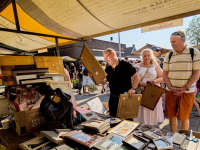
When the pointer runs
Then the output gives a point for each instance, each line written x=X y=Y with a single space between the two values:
x=85 y=72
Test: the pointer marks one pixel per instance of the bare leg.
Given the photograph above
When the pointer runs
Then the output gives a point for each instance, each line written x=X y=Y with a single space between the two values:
x=185 y=124
x=197 y=106
x=88 y=89
x=102 y=90
x=173 y=124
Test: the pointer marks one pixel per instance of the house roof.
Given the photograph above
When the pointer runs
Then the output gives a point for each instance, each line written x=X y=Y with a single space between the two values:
x=197 y=46
x=139 y=52
x=31 y=25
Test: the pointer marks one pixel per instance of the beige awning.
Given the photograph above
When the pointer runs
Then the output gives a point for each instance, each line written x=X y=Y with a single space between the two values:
x=72 y=20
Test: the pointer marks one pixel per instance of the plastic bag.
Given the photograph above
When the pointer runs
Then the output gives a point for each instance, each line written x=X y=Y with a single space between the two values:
x=92 y=86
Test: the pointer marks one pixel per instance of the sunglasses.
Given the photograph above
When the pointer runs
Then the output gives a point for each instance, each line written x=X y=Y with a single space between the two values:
x=107 y=56
x=176 y=33
x=156 y=50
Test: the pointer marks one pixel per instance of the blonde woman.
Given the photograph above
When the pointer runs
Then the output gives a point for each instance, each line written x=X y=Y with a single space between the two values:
x=154 y=75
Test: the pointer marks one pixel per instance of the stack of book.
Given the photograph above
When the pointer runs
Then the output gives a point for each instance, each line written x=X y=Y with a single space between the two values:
x=88 y=140
x=96 y=125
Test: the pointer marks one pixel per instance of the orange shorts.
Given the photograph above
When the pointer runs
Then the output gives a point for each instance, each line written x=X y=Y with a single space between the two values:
x=178 y=106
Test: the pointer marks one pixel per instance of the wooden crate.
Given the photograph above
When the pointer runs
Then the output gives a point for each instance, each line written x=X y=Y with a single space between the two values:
x=55 y=64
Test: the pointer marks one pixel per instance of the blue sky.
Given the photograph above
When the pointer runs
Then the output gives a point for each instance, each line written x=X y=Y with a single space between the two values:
x=159 y=37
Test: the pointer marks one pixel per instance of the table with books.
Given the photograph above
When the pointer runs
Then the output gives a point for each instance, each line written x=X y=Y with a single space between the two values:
x=110 y=133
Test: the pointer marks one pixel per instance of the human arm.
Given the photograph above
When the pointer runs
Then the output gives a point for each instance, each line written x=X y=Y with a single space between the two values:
x=194 y=77
x=168 y=84
x=76 y=74
x=159 y=78
x=135 y=82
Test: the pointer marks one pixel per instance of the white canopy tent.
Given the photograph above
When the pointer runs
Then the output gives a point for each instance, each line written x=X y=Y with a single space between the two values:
x=31 y=25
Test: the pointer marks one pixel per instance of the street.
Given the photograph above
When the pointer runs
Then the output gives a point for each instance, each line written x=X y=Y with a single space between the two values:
x=83 y=99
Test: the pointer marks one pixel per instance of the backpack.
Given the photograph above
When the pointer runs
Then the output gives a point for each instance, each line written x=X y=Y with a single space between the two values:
x=191 y=53
x=85 y=72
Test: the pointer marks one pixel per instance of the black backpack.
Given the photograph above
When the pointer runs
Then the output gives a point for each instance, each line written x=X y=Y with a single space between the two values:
x=85 y=72
x=191 y=53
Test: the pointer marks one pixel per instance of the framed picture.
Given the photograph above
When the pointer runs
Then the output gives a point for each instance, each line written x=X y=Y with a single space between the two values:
x=29 y=81
x=136 y=142
x=110 y=142
x=96 y=105
x=17 y=72
x=26 y=97
x=65 y=87
x=163 y=143
x=56 y=77
x=23 y=77
x=124 y=128
x=40 y=142
x=128 y=107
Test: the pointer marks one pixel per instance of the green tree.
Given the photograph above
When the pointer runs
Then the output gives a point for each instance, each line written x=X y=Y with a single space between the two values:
x=193 y=32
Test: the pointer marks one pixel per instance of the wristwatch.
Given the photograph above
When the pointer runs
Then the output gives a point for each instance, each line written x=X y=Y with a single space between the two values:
x=134 y=88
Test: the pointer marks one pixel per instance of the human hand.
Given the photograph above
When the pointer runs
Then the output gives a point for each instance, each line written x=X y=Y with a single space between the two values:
x=143 y=84
x=176 y=91
x=131 y=92
x=181 y=90
x=153 y=82
x=90 y=75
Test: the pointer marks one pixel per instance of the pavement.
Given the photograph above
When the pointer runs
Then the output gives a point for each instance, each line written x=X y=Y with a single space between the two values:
x=83 y=99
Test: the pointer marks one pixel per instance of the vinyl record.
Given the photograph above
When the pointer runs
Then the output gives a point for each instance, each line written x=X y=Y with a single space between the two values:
x=114 y=120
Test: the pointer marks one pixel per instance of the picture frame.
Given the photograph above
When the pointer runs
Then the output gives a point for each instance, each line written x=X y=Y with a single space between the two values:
x=151 y=95
x=35 y=80
x=92 y=65
x=124 y=128
x=55 y=76
x=96 y=105
x=17 y=72
x=96 y=125
x=111 y=142
x=23 y=77
x=136 y=142
x=90 y=115
x=163 y=143
x=128 y=107
x=38 y=142
x=150 y=135
x=65 y=86
x=34 y=94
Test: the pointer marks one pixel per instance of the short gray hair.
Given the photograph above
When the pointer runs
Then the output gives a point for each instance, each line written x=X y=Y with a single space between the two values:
x=179 y=33
x=110 y=50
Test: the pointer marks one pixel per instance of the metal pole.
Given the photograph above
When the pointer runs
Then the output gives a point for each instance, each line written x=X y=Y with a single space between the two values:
x=119 y=45
x=57 y=48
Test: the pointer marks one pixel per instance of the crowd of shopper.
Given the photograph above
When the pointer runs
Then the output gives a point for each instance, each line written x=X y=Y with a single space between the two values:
x=179 y=71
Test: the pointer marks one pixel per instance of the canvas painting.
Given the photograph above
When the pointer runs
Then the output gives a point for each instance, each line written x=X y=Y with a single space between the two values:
x=124 y=128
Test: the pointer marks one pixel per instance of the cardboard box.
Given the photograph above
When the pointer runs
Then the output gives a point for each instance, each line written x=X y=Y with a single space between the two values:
x=27 y=121
x=4 y=106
